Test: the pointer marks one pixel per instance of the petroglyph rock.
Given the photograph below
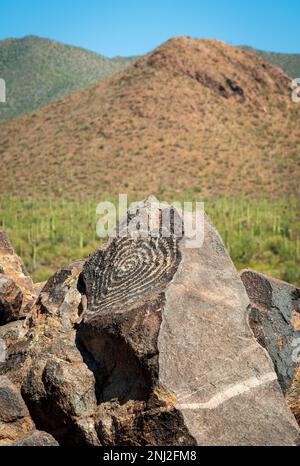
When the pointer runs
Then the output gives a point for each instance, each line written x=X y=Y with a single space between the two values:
x=174 y=358
x=146 y=343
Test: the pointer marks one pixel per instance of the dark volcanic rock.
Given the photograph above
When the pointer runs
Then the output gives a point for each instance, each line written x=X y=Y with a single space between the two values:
x=275 y=320
x=58 y=387
x=122 y=324
x=15 y=421
x=156 y=422
x=174 y=358
x=146 y=343
x=16 y=425
x=55 y=382
x=12 y=405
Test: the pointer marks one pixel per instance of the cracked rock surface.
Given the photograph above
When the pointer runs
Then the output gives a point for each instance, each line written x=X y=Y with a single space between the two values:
x=147 y=342
x=275 y=320
x=17 y=293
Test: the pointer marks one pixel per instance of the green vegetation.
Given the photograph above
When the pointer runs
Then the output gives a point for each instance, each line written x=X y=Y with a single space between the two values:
x=38 y=71
x=289 y=63
x=261 y=234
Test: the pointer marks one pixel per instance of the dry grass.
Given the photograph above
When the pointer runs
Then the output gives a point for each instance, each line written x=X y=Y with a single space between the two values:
x=192 y=115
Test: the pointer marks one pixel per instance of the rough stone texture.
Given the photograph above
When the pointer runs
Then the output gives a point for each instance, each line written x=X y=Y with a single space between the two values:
x=13 y=268
x=56 y=384
x=5 y=244
x=12 y=331
x=146 y=343
x=174 y=358
x=12 y=405
x=16 y=425
x=11 y=298
x=15 y=421
x=274 y=316
x=9 y=334
x=38 y=439
x=38 y=287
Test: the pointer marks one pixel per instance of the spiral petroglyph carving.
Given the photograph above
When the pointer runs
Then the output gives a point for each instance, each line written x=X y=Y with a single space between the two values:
x=138 y=262
x=131 y=269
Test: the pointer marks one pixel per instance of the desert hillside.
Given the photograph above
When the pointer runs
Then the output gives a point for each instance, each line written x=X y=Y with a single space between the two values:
x=208 y=116
x=288 y=62
x=38 y=71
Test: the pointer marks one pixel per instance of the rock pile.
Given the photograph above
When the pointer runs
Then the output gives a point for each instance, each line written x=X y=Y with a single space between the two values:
x=145 y=343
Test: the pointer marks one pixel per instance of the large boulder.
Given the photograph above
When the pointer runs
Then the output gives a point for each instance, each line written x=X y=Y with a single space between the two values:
x=174 y=358
x=146 y=343
x=17 y=293
x=274 y=316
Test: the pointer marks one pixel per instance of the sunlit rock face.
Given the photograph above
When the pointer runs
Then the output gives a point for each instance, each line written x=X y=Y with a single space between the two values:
x=167 y=327
x=275 y=321
x=17 y=293
x=147 y=342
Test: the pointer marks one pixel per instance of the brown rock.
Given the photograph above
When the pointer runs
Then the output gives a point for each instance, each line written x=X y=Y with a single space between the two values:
x=9 y=334
x=5 y=244
x=173 y=356
x=46 y=364
x=138 y=423
x=15 y=421
x=12 y=405
x=16 y=425
x=38 y=287
x=13 y=268
x=275 y=320
x=147 y=343
x=11 y=298
x=57 y=385
x=38 y=439
x=12 y=331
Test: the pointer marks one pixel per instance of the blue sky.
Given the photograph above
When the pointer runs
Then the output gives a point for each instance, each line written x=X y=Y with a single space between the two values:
x=131 y=27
